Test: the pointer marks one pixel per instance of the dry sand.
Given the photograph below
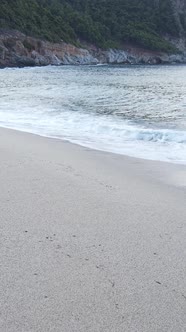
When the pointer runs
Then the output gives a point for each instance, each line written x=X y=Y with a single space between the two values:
x=89 y=241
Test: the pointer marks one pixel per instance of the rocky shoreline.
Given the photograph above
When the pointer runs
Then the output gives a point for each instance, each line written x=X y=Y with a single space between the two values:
x=19 y=50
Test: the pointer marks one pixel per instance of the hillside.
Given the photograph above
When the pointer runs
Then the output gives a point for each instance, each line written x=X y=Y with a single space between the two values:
x=104 y=23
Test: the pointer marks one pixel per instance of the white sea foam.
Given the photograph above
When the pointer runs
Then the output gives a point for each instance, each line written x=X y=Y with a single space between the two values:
x=87 y=114
x=103 y=133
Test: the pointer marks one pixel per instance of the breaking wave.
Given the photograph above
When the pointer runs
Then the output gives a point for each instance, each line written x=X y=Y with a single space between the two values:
x=120 y=110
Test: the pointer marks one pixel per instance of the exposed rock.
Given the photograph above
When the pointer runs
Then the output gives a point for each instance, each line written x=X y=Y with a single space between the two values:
x=138 y=56
x=23 y=61
x=39 y=59
x=19 y=50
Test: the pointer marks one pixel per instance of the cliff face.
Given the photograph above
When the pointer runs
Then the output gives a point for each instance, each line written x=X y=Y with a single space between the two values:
x=19 y=50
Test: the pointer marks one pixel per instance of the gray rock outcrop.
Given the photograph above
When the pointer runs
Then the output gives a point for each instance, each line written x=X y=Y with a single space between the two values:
x=19 y=50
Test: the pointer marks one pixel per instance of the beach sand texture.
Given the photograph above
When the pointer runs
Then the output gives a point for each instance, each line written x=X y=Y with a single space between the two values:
x=89 y=241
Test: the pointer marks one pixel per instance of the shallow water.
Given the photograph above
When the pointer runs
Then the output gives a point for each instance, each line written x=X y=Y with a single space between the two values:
x=137 y=111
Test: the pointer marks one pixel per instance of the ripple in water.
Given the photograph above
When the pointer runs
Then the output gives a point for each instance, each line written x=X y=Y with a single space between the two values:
x=137 y=111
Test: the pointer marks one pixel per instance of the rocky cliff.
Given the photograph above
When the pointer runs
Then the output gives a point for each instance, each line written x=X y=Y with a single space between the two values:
x=35 y=33
x=19 y=50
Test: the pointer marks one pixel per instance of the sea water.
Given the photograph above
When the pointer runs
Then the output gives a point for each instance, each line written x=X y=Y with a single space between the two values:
x=138 y=111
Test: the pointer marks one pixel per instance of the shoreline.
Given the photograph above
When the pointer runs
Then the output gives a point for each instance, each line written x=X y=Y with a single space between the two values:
x=171 y=64
x=90 y=241
x=142 y=135
x=170 y=173
x=63 y=140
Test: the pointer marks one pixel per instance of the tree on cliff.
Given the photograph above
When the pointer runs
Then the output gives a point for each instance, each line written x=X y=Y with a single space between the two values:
x=105 y=23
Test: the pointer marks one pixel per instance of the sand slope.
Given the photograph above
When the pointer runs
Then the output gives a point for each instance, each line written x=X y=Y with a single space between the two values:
x=89 y=241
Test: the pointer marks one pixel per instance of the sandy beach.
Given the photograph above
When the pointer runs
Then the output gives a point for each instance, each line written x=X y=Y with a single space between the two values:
x=89 y=241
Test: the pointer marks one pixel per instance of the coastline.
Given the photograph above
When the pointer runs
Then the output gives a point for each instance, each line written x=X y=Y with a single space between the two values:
x=172 y=64
x=90 y=240
x=20 y=50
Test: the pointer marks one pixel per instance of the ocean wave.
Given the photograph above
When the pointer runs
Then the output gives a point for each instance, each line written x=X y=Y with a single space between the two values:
x=156 y=135
x=82 y=106
x=103 y=132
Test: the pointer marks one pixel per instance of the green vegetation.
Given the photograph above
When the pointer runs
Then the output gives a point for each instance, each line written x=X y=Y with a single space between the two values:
x=105 y=23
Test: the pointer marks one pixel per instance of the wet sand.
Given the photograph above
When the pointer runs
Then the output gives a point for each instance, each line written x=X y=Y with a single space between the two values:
x=89 y=241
